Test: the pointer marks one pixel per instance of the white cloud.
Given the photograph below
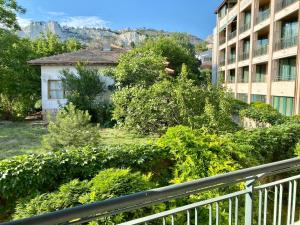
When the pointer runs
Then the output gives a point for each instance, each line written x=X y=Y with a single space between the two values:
x=53 y=13
x=23 y=22
x=84 y=21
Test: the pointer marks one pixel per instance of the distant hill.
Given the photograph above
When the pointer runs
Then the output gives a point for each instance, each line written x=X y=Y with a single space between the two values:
x=95 y=36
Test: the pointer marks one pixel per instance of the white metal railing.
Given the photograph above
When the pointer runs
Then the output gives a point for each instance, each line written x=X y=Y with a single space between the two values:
x=262 y=198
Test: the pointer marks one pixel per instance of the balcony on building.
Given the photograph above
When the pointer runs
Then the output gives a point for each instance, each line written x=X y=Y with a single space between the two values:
x=281 y=4
x=287 y=32
x=244 y=75
x=285 y=69
x=260 y=73
x=232 y=29
x=222 y=36
x=261 y=46
x=263 y=11
x=231 y=76
x=245 y=51
x=246 y=21
x=232 y=54
x=225 y=7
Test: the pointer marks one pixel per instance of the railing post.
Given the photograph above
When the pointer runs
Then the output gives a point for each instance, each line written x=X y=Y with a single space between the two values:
x=249 y=203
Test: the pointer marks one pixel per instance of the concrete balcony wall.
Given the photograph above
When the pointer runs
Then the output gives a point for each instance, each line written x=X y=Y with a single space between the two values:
x=259 y=88
x=287 y=11
x=283 y=88
x=242 y=88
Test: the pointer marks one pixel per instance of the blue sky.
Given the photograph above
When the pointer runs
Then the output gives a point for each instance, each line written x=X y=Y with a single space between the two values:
x=192 y=16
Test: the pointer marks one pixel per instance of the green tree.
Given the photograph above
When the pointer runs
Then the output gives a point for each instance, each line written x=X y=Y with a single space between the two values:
x=71 y=128
x=8 y=10
x=85 y=90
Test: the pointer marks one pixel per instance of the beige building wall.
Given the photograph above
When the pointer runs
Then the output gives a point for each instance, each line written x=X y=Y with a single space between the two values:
x=232 y=34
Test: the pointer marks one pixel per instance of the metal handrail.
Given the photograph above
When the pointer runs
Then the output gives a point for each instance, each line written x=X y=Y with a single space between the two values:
x=244 y=56
x=262 y=16
x=286 y=42
x=261 y=50
x=245 y=27
x=114 y=206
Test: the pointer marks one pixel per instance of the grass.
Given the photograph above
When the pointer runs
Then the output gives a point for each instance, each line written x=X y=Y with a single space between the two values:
x=19 y=138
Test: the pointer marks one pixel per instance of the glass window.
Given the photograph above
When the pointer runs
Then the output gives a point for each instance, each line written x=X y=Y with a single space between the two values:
x=258 y=98
x=242 y=97
x=246 y=46
x=245 y=75
x=247 y=19
x=289 y=29
x=261 y=71
x=55 y=89
x=287 y=69
x=285 y=105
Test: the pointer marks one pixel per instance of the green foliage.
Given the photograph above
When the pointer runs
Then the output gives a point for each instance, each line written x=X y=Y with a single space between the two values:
x=8 y=10
x=50 y=44
x=67 y=196
x=169 y=103
x=19 y=83
x=28 y=175
x=84 y=89
x=198 y=154
x=71 y=128
x=270 y=144
x=263 y=113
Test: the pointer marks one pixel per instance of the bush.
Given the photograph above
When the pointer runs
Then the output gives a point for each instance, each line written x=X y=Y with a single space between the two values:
x=270 y=144
x=71 y=127
x=262 y=113
x=107 y=184
x=198 y=154
x=28 y=175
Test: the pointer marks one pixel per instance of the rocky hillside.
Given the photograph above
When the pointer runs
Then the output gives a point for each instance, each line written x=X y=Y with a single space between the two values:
x=94 y=35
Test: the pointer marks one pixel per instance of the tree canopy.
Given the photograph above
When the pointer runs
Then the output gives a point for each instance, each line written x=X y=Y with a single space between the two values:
x=8 y=10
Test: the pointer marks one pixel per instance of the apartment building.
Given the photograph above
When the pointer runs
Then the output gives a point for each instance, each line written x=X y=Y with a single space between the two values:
x=255 y=55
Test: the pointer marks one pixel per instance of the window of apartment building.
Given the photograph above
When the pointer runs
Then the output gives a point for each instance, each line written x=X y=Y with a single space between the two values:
x=247 y=18
x=244 y=78
x=242 y=97
x=258 y=98
x=232 y=55
x=231 y=76
x=287 y=69
x=261 y=72
x=263 y=13
x=284 y=105
x=289 y=29
x=55 y=89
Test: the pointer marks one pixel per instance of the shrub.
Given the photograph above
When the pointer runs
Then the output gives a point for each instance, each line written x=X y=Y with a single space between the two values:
x=198 y=154
x=270 y=144
x=28 y=175
x=107 y=184
x=262 y=113
x=71 y=127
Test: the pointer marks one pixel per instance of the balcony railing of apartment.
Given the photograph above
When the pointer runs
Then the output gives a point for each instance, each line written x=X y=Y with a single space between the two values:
x=248 y=195
x=232 y=35
x=262 y=16
x=245 y=27
x=222 y=40
x=261 y=50
x=286 y=42
x=231 y=60
x=230 y=79
x=286 y=77
x=244 y=56
x=281 y=4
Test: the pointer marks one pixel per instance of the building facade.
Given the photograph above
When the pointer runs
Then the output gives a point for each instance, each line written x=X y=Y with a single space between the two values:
x=255 y=54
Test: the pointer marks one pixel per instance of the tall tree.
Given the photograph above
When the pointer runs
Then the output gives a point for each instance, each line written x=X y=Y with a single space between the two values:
x=8 y=10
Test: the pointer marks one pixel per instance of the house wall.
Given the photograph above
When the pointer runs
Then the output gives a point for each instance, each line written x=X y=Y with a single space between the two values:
x=54 y=73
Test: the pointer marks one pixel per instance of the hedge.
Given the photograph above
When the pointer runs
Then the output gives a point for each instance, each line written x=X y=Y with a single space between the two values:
x=28 y=175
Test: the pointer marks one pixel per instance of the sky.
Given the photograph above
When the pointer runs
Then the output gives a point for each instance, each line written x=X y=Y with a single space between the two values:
x=192 y=16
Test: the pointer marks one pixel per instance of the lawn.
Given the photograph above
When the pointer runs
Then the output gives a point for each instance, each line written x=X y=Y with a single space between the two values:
x=21 y=138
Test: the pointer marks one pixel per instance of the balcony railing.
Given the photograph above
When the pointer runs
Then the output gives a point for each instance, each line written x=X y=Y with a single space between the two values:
x=231 y=60
x=222 y=40
x=243 y=79
x=281 y=77
x=261 y=198
x=230 y=79
x=261 y=50
x=232 y=35
x=262 y=16
x=244 y=56
x=245 y=27
x=283 y=4
x=222 y=62
x=286 y=42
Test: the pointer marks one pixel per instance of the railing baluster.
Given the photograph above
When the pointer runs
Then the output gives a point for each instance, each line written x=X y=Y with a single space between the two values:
x=280 y=204
x=265 y=206
x=288 y=222
x=294 y=202
x=188 y=217
x=164 y=221
x=249 y=203
x=230 y=212
x=217 y=213
x=210 y=214
x=172 y=220
x=259 y=206
x=275 y=205
x=236 y=219
x=196 y=216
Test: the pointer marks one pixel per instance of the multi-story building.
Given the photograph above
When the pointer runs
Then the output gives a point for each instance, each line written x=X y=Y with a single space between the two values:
x=256 y=51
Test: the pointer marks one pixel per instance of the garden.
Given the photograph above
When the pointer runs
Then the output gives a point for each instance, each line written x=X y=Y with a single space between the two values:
x=165 y=124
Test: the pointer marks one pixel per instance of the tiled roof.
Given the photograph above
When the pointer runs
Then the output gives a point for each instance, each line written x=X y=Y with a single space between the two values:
x=88 y=56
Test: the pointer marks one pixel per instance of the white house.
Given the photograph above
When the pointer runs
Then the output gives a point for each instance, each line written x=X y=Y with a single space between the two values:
x=52 y=91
